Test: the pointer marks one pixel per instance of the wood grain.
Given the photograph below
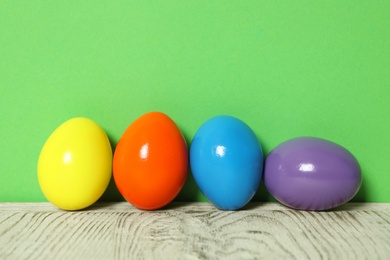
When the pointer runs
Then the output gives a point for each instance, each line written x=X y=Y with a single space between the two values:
x=194 y=231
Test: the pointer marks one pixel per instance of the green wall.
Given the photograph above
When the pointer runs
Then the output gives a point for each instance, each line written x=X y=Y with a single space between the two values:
x=286 y=68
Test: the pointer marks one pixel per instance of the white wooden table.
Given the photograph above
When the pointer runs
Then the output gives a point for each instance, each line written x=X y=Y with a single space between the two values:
x=194 y=231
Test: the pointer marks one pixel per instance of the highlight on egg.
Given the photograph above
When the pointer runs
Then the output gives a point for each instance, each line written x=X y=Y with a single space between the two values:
x=150 y=162
x=74 y=165
x=226 y=161
x=309 y=173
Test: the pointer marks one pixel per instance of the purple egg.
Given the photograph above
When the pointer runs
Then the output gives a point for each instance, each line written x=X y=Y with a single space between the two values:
x=310 y=173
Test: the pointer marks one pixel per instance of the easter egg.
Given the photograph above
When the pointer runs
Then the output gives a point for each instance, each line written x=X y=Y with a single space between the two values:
x=151 y=161
x=226 y=161
x=74 y=166
x=310 y=173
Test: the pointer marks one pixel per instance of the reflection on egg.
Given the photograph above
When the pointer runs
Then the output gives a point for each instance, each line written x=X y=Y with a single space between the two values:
x=74 y=166
x=310 y=173
x=226 y=161
x=151 y=161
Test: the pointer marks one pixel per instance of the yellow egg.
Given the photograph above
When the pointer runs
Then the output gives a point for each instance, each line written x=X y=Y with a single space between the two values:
x=74 y=166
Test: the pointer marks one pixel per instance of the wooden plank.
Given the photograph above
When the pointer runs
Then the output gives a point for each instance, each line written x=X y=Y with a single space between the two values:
x=194 y=231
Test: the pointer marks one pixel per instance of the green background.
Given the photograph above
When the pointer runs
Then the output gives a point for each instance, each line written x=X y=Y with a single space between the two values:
x=286 y=68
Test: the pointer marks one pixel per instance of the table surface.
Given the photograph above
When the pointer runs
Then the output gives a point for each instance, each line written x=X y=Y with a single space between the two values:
x=194 y=231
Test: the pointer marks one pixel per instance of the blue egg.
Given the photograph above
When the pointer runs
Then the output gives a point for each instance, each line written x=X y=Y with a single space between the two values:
x=227 y=162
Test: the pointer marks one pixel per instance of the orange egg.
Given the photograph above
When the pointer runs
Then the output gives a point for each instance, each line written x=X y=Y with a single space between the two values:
x=150 y=161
